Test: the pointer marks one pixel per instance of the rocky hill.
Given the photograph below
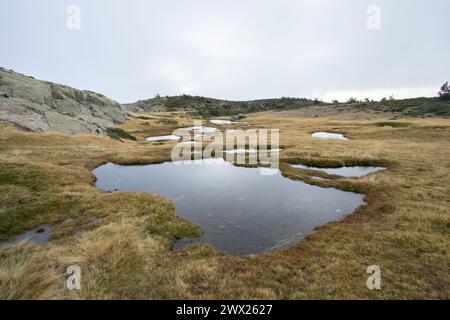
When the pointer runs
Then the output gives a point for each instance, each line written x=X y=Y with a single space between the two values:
x=208 y=107
x=45 y=106
x=204 y=106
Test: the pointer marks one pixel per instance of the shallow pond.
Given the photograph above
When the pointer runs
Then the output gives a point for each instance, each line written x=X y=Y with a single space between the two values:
x=328 y=135
x=164 y=138
x=350 y=172
x=40 y=235
x=241 y=211
x=201 y=129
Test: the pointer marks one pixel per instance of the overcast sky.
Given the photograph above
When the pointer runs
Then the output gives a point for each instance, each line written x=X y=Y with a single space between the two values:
x=237 y=50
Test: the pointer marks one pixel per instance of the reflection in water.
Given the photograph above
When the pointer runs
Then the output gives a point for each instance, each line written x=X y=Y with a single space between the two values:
x=164 y=138
x=201 y=129
x=241 y=211
x=251 y=150
x=329 y=135
x=351 y=172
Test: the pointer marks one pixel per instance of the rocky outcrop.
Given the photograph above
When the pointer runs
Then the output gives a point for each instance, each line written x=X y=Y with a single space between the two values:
x=145 y=106
x=44 y=106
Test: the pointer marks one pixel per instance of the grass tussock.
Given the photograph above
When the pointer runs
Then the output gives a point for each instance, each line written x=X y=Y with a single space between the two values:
x=27 y=273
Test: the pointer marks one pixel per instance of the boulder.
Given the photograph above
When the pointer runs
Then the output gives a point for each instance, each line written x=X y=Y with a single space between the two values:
x=44 y=106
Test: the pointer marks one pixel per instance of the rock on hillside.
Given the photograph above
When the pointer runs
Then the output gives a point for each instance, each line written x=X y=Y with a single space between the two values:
x=44 y=106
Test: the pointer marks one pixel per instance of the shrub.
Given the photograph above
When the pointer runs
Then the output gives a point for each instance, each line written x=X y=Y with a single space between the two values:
x=117 y=133
x=444 y=93
x=352 y=100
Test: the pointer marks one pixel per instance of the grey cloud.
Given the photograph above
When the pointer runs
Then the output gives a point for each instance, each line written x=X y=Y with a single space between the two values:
x=131 y=50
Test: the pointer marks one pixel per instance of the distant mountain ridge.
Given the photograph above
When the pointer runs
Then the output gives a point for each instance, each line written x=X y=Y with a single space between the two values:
x=39 y=106
x=209 y=107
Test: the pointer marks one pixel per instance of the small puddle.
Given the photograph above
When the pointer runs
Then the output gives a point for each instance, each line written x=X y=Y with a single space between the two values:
x=241 y=211
x=43 y=234
x=199 y=132
x=201 y=129
x=164 y=138
x=221 y=122
x=350 y=172
x=250 y=151
x=328 y=135
x=39 y=235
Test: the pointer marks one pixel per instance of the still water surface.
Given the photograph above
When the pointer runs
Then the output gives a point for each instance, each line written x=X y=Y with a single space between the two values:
x=241 y=211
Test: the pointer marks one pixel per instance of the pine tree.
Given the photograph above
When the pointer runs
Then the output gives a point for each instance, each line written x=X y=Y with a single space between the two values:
x=444 y=93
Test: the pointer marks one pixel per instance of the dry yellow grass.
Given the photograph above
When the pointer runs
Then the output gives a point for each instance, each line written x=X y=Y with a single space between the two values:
x=405 y=228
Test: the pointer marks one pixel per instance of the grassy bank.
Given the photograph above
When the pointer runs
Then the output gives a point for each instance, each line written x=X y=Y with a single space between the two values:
x=404 y=228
